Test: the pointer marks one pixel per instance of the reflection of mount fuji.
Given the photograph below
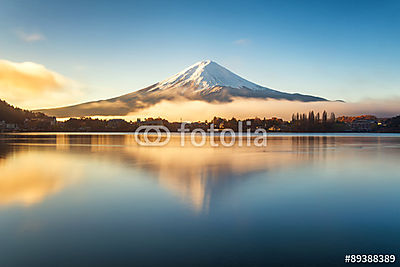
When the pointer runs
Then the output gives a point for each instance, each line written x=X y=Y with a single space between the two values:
x=199 y=176
x=204 y=81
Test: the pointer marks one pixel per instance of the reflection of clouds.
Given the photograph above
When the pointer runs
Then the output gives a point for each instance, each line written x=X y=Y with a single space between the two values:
x=28 y=178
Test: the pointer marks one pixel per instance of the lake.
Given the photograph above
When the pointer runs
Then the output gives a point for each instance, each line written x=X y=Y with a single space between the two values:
x=103 y=200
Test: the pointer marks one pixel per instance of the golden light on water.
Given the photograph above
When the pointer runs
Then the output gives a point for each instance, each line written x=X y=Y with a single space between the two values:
x=28 y=178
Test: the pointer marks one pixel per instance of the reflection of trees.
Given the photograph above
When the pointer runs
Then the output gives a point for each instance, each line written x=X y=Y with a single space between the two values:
x=312 y=147
x=4 y=150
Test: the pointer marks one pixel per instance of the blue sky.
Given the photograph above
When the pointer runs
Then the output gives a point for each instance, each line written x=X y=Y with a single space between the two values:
x=336 y=49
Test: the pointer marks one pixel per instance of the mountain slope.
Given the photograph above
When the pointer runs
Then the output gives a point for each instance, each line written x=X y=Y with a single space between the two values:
x=205 y=81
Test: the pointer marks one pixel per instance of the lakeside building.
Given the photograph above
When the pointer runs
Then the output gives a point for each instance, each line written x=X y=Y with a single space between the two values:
x=363 y=125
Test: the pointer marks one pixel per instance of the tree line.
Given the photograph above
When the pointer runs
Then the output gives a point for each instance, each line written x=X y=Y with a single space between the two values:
x=316 y=122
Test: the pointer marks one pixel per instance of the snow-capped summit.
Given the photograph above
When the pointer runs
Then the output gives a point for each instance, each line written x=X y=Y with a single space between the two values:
x=207 y=74
x=204 y=81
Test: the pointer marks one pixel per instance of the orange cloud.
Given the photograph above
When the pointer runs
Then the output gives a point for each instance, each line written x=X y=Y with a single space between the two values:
x=28 y=76
x=31 y=85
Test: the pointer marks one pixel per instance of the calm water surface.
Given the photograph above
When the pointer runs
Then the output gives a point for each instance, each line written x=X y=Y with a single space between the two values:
x=101 y=200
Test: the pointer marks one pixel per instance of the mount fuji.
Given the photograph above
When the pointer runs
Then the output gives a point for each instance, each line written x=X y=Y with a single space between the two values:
x=204 y=81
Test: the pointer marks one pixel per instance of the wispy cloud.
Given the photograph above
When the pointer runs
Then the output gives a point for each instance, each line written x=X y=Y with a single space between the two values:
x=30 y=37
x=242 y=41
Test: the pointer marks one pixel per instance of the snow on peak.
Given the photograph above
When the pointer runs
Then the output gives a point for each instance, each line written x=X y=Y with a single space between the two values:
x=207 y=74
